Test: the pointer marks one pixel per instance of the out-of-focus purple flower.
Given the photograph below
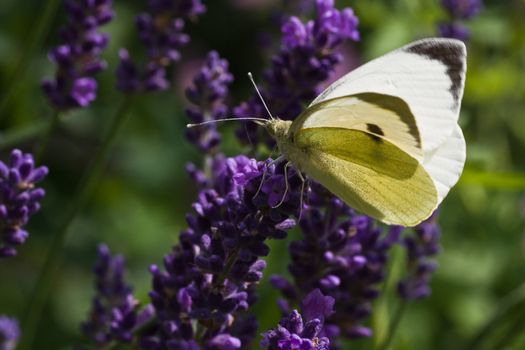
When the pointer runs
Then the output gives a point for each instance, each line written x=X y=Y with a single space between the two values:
x=344 y=255
x=208 y=279
x=9 y=333
x=161 y=32
x=209 y=90
x=458 y=11
x=114 y=314
x=19 y=199
x=463 y=9
x=307 y=57
x=77 y=57
x=421 y=245
x=453 y=30
x=303 y=330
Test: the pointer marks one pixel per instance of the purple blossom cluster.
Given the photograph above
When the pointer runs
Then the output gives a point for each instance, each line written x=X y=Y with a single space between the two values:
x=458 y=11
x=342 y=254
x=208 y=94
x=9 y=333
x=114 y=314
x=19 y=199
x=77 y=58
x=421 y=246
x=307 y=57
x=302 y=331
x=161 y=32
x=207 y=285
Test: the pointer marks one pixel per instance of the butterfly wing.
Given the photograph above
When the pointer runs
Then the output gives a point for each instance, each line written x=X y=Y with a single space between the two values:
x=383 y=116
x=369 y=173
x=445 y=163
x=429 y=75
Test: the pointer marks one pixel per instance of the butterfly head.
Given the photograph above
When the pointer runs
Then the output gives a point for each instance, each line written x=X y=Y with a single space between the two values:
x=278 y=128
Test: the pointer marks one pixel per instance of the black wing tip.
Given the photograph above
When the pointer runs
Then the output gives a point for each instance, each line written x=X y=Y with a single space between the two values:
x=450 y=52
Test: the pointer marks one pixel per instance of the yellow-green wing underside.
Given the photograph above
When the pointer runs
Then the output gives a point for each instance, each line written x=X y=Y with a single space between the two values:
x=387 y=117
x=369 y=173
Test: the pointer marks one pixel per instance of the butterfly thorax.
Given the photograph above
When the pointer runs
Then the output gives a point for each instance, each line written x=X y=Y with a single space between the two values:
x=280 y=131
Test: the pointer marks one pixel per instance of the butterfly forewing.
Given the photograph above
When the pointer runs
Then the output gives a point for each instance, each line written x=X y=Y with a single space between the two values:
x=368 y=173
x=429 y=75
x=383 y=116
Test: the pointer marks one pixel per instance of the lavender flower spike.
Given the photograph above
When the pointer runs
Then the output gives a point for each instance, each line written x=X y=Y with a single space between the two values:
x=458 y=11
x=207 y=284
x=19 y=199
x=114 y=314
x=161 y=32
x=208 y=94
x=302 y=332
x=9 y=333
x=421 y=246
x=77 y=57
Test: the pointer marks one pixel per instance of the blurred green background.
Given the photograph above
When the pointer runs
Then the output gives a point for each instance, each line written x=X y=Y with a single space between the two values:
x=138 y=207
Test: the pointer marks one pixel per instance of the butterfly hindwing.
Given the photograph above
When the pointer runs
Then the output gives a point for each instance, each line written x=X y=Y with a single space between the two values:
x=429 y=75
x=445 y=163
x=368 y=173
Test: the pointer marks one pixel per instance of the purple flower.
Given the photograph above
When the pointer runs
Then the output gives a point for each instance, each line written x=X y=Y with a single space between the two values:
x=462 y=9
x=209 y=277
x=77 y=58
x=19 y=199
x=458 y=10
x=9 y=333
x=161 y=32
x=209 y=90
x=307 y=58
x=114 y=315
x=302 y=331
x=343 y=255
x=453 y=30
x=421 y=245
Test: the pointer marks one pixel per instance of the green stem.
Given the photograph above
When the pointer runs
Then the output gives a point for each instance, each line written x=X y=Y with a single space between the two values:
x=46 y=137
x=394 y=325
x=53 y=259
x=38 y=32
x=506 y=306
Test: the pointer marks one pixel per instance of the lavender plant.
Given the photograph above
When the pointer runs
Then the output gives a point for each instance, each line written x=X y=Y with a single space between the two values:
x=208 y=94
x=458 y=11
x=161 y=32
x=19 y=199
x=421 y=246
x=114 y=314
x=9 y=333
x=77 y=58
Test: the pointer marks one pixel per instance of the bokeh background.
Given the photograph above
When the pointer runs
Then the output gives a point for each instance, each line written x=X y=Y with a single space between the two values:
x=138 y=207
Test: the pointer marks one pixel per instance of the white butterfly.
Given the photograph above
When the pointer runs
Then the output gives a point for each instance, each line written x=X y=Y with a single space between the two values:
x=384 y=138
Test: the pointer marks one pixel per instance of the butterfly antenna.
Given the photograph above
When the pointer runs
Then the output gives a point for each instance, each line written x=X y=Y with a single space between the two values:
x=250 y=76
x=257 y=120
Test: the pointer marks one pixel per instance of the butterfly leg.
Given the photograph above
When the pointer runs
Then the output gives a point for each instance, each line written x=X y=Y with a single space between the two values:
x=303 y=183
x=286 y=184
x=275 y=161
